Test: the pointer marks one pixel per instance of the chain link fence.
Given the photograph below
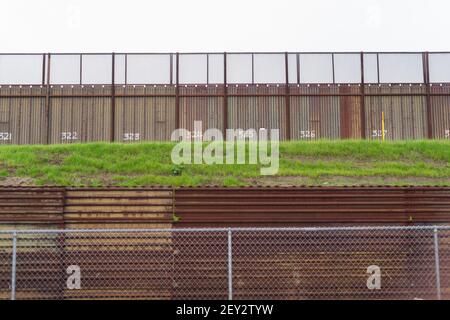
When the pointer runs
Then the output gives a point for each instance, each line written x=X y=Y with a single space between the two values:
x=227 y=263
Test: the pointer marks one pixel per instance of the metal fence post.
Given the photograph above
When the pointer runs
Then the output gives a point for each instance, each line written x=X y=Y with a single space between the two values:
x=47 y=102
x=230 y=266
x=177 y=91
x=436 y=261
x=225 y=96
x=362 y=95
x=13 y=266
x=426 y=80
x=113 y=98
x=287 y=97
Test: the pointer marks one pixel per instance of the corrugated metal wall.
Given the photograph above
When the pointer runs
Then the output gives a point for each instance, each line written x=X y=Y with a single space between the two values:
x=75 y=208
x=80 y=119
x=310 y=206
x=257 y=107
x=215 y=206
x=325 y=112
x=22 y=115
x=440 y=112
x=118 y=208
x=350 y=111
x=152 y=113
x=144 y=113
x=202 y=104
x=49 y=208
x=31 y=208
x=25 y=208
x=315 y=116
x=405 y=115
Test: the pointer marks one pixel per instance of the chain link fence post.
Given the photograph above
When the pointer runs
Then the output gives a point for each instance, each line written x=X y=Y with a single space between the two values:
x=436 y=261
x=13 y=266
x=230 y=265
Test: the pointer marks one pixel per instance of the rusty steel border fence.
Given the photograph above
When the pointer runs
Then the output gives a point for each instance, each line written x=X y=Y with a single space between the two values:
x=227 y=263
x=168 y=207
x=52 y=110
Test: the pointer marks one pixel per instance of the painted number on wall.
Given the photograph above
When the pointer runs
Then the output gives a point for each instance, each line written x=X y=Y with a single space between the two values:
x=307 y=134
x=5 y=136
x=447 y=134
x=197 y=135
x=68 y=136
x=378 y=133
x=132 y=137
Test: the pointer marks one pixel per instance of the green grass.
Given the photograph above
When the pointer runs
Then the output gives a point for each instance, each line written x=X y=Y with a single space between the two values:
x=301 y=163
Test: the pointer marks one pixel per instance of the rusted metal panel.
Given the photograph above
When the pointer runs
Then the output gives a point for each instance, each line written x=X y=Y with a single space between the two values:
x=316 y=116
x=119 y=208
x=257 y=107
x=115 y=208
x=22 y=119
x=440 y=112
x=86 y=208
x=306 y=206
x=80 y=119
x=405 y=112
x=31 y=207
x=25 y=208
x=140 y=117
x=286 y=206
x=350 y=112
x=201 y=103
x=215 y=206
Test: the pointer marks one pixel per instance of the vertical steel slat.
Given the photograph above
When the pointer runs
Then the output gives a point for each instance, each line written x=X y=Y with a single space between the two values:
x=436 y=261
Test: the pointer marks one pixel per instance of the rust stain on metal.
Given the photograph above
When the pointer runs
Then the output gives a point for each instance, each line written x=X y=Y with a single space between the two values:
x=311 y=206
x=162 y=257
x=215 y=206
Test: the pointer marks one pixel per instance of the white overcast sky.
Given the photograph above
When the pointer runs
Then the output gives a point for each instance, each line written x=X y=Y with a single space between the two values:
x=229 y=25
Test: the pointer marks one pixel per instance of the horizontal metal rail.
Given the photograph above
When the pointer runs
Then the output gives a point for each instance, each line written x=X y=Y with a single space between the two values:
x=229 y=52
x=262 y=229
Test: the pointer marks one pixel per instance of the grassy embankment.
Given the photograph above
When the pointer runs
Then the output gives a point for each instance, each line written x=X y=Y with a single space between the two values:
x=301 y=163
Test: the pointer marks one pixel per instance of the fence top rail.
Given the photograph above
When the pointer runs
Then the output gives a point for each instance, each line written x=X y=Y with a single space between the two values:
x=222 y=52
x=233 y=229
